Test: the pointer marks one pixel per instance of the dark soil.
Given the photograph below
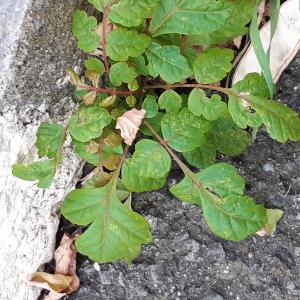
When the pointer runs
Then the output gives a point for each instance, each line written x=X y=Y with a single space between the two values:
x=186 y=261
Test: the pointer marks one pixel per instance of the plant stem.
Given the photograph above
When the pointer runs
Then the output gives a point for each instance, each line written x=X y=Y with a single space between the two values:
x=118 y=170
x=103 y=38
x=188 y=85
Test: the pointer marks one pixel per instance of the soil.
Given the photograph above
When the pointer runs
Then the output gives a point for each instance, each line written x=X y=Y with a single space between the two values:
x=186 y=261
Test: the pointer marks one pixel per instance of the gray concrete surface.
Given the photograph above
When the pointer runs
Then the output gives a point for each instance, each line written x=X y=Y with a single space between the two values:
x=35 y=48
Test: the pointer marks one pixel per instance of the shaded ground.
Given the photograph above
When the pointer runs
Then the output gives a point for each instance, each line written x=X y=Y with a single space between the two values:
x=186 y=261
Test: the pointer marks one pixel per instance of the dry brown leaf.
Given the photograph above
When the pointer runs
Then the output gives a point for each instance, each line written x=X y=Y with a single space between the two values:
x=112 y=162
x=65 y=280
x=129 y=124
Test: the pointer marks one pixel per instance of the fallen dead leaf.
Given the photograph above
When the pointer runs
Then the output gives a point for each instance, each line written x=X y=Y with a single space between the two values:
x=65 y=280
x=285 y=44
x=129 y=124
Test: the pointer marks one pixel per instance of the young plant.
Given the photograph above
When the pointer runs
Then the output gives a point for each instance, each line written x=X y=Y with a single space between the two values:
x=150 y=65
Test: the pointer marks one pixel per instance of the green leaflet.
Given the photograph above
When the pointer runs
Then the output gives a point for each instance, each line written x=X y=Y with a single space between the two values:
x=115 y=231
x=140 y=174
x=167 y=62
x=151 y=106
x=282 y=123
x=170 y=101
x=84 y=28
x=122 y=44
x=121 y=72
x=240 y=111
x=260 y=52
x=88 y=123
x=213 y=65
x=94 y=64
x=234 y=218
x=49 y=139
x=99 y=4
x=137 y=183
x=228 y=138
x=218 y=189
x=183 y=131
x=202 y=157
x=210 y=109
x=140 y=65
x=233 y=27
x=190 y=17
x=42 y=171
x=223 y=179
x=156 y=167
x=254 y=84
x=132 y=13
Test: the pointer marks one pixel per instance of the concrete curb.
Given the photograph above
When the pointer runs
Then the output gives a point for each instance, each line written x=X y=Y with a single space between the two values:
x=35 y=47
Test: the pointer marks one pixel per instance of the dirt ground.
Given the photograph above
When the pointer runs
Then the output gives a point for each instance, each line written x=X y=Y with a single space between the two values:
x=186 y=261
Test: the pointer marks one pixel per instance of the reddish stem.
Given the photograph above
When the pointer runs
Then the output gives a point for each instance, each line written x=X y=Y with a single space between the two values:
x=101 y=144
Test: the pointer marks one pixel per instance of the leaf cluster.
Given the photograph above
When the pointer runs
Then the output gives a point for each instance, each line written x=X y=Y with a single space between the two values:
x=161 y=56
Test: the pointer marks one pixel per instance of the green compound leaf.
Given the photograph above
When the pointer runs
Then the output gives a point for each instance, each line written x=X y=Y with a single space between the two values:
x=150 y=159
x=170 y=101
x=151 y=106
x=228 y=138
x=49 y=139
x=136 y=183
x=122 y=44
x=190 y=17
x=99 y=4
x=213 y=65
x=167 y=62
x=228 y=213
x=88 y=123
x=94 y=64
x=282 y=123
x=210 y=109
x=84 y=29
x=183 y=131
x=202 y=157
x=116 y=232
x=234 y=26
x=132 y=13
x=42 y=171
x=122 y=72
